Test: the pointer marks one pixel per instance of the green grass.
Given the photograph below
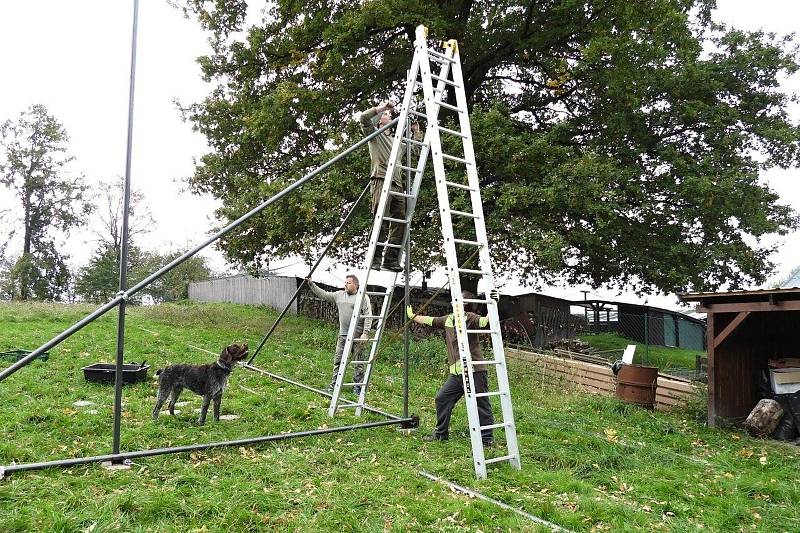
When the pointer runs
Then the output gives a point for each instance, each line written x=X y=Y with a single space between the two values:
x=663 y=357
x=589 y=462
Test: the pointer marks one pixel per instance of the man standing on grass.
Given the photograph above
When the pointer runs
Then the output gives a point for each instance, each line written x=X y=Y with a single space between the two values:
x=345 y=301
x=453 y=387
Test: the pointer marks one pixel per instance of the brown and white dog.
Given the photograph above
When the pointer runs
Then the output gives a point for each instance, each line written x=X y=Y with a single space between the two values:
x=206 y=380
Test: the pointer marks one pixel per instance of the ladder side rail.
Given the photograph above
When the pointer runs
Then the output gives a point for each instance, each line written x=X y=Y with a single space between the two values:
x=376 y=227
x=425 y=149
x=373 y=351
x=410 y=206
x=501 y=369
x=452 y=269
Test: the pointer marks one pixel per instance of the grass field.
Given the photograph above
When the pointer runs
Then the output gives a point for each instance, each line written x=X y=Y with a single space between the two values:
x=590 y=463
x=663 y=357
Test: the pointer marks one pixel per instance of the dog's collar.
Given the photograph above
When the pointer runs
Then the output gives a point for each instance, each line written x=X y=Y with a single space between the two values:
x=223 y=366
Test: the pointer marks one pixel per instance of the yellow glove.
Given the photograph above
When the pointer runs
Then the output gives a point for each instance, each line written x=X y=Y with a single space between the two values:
x=410 y=312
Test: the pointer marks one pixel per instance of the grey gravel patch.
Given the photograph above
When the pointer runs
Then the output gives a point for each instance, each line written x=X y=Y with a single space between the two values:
x=228 y=417
x=83 y=403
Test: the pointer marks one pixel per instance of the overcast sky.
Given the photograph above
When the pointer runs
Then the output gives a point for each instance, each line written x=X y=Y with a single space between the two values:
x=74 y=58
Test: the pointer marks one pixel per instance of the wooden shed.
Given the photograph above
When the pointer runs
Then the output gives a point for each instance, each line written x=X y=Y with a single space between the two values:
x=745 y=329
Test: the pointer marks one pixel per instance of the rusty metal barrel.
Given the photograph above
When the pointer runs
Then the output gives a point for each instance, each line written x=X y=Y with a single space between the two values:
x=637 y=384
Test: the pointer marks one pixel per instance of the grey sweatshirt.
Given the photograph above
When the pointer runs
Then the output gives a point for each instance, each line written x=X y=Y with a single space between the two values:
x=345 y=303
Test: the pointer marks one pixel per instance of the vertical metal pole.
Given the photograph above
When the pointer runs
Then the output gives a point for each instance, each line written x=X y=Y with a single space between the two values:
x=123 y=258
x=406 y=300
x=646 y=337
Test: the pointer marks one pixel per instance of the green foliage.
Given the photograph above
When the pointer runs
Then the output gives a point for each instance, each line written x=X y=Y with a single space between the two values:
x=610 y=146
x=174 y=285
x=99 y=280
x=589 y=463
x=32 y=165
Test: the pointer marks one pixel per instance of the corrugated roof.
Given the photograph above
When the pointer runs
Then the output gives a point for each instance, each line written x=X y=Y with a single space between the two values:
x=792 y=293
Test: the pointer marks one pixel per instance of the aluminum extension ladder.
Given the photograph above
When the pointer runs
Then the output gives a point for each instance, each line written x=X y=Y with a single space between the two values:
x=435 y=88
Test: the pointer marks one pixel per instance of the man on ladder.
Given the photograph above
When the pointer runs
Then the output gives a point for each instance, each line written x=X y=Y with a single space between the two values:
x=380 y=149
x=453 y=388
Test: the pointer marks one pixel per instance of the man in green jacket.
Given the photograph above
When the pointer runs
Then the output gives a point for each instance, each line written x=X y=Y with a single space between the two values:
x=453 y=387
x=380 y=149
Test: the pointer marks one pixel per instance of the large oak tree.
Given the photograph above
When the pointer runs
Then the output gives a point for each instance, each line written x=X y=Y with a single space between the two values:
x=618 y=141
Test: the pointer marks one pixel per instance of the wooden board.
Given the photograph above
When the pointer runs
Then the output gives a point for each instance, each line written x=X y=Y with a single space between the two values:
x=599 y=379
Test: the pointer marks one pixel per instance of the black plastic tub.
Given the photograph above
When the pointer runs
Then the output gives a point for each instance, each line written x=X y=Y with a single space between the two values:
x=105 y=372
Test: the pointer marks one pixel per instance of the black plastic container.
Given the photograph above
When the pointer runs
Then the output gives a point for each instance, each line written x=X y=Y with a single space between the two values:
x=105 y=372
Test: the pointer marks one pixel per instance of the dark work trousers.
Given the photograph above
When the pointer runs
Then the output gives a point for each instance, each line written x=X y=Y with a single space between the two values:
x=355 y=352
x=450 y=392
x=391 y=232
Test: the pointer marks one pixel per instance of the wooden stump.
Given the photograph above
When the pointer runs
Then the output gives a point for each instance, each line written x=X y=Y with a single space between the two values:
x=764 y=418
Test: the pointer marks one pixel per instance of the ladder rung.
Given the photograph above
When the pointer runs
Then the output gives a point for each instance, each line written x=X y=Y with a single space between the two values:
x=443 y=57
x=452 y=132
x=364 y=340
x=452 y=107
x=489 y=362
x=413 y=141
x=458 y=159
x=482 y=331
x=370 y=316
x=360 y=384
x=361 y=362
x=487 y=394
x=398 y=193
x=490 y=426
x=448 y=82
x=458 y=185
x=463 y=214
x=420 y=84
x=376 y=293
x=356 y=404
x=471 y=271
x=498 y=459
x=412 y=169
x=475 y=301
x=417 y=113
x=464 y=241
x=398 y=220
x=389 y=244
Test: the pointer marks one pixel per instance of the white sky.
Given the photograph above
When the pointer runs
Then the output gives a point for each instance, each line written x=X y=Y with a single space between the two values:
x=74 y=58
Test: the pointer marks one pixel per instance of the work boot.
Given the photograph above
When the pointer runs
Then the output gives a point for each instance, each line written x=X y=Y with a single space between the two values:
x=488 y=443
x=356 y=390
x=330 y=387
x=434 y=437
x=392 y=264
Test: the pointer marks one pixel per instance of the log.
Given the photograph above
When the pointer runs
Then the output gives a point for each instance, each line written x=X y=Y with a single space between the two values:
x=764 y=418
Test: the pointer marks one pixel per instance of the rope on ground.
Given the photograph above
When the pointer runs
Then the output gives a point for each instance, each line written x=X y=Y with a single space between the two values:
x=470 y=492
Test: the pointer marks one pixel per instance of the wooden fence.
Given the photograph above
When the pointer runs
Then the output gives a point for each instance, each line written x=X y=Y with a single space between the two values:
x=599 y=379
x=272 y=291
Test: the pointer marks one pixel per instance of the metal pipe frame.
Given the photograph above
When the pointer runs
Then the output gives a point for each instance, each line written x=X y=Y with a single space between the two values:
x=123 y=257
x=145 y=282
x=127 y=456
x=122 y=297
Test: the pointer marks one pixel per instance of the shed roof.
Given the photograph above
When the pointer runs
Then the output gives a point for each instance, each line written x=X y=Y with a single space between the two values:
x=763 y=295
